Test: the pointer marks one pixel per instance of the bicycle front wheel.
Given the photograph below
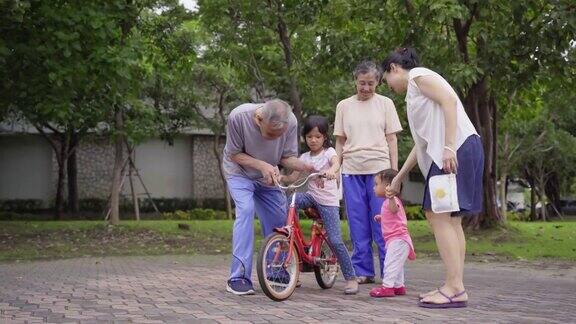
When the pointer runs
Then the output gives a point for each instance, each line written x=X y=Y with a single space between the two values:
x=278 y=267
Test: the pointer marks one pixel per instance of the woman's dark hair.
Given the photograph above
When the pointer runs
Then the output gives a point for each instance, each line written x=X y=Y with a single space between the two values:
x=388 y=175
x=322 y=123
x=405 y=57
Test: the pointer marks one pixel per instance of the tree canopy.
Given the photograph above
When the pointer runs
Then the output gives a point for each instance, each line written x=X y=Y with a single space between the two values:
x=152 y=68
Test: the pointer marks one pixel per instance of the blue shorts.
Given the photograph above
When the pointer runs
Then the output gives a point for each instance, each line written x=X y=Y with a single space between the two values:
x=468 y=178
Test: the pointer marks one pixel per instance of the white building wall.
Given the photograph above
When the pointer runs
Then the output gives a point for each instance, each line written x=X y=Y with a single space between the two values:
x=188 y=169
x=412 y=192
x=25 y=168
x=166 y=170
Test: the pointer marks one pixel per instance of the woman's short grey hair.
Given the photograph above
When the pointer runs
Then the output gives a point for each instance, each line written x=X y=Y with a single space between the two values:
x=366 y=67
x=276 y=112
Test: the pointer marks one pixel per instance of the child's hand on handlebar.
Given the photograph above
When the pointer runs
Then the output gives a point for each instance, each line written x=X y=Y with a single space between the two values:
x=329 y=174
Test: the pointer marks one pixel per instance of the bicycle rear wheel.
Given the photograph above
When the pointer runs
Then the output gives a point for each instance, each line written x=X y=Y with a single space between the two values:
x=278 y=268
x=327 y=271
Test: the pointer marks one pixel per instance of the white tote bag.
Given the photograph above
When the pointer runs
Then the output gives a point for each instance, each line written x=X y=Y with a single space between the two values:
x=444 y=193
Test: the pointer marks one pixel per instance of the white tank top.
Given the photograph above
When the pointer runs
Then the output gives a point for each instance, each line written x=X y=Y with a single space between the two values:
x=426 y=120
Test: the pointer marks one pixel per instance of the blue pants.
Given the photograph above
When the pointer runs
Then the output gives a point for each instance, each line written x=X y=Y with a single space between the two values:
x=331 y=218
x=250 y=197
x=361 y=207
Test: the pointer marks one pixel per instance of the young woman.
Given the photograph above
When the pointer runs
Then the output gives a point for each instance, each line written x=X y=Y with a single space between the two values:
x=445 y=142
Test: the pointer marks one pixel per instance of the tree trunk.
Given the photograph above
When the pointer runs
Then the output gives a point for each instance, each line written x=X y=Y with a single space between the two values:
x=481 y=108
x=541 y=183
x=61 y=160
x=530 y=180
x=72 y=170
x=59 y=143
x=217 y=152
x=132 y=189
x=552 y=191
x=218 y=155
x=118 y=166
x=504 y=166
x=284 y=36
x=503 y=195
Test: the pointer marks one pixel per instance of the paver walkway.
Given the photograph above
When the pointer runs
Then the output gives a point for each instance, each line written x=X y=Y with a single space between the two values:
x=192 y=289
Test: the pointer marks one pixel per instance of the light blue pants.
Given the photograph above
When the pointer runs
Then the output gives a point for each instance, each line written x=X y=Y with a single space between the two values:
x=331 y=218
x=250 y=197
x=361 y=207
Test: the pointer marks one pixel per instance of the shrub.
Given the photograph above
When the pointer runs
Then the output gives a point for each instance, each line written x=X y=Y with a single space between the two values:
x=518 y=216
x=195 y=214
x=92 y=204
x=20 y=205
x=415 y=212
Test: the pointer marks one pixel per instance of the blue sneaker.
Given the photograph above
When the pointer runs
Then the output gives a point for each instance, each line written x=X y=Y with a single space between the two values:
x=240 y=286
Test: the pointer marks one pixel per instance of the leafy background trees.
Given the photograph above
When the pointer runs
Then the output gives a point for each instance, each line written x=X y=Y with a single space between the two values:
x=134 y=69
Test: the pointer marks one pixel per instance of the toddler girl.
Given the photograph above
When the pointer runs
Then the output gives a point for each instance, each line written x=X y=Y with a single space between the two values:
x=399 y=245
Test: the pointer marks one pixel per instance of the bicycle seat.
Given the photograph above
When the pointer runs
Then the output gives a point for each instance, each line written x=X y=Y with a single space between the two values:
x=312 y=213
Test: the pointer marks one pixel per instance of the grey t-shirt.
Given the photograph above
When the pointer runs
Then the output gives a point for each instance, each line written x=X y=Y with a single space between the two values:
x=243 y=136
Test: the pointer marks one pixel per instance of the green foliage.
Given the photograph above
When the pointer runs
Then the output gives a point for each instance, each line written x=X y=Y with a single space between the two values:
x=32 y=240
x=93 y=204
x=170 y=56
x=70 y=65
x=195 y=214
x=518 y=216
x=414 y=213
x=98 y=205
x=537 y=135
x=60 y=60
x=20 y=205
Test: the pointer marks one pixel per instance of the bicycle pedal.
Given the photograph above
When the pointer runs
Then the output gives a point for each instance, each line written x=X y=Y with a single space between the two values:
x=320 y=262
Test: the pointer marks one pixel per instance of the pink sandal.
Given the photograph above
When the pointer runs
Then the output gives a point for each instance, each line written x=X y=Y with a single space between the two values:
x=381 y=291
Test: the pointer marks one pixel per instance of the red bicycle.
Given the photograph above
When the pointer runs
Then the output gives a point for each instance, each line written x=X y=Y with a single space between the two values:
x=286 y=252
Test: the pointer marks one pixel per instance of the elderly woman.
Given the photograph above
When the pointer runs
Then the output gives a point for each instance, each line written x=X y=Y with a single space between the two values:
x=365 y=128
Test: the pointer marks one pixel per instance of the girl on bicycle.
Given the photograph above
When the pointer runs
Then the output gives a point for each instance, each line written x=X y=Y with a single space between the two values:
x=323 y=195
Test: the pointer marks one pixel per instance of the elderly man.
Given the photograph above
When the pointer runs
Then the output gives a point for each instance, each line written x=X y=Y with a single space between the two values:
x=258 y=138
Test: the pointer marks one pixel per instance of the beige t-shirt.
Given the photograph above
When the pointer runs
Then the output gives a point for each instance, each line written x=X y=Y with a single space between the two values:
x=365 y=125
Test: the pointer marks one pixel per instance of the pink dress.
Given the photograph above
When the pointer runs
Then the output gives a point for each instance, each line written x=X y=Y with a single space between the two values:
x=395 y=225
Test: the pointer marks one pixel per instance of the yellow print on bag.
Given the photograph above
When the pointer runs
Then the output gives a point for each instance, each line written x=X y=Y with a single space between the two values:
x=440 y=193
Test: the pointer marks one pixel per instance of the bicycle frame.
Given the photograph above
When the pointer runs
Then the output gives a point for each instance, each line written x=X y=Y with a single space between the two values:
x=293 y=231
x=297 y=239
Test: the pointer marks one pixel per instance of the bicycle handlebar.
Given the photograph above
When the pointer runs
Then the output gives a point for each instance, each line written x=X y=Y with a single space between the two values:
x=297 y=185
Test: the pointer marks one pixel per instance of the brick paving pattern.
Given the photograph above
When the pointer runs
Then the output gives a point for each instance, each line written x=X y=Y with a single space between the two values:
x=191 y=289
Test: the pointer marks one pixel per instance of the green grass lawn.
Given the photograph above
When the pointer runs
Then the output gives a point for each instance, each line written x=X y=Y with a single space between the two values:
x=21 y=240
